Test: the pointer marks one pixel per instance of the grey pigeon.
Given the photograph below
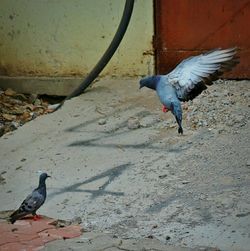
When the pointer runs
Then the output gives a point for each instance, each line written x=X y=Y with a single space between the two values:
x=33 y=201
x=189 y=79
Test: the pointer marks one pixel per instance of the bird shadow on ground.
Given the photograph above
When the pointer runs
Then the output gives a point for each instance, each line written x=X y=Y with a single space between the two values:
x=121 y=129
x=117 y=126
x=146 y=146
x=111 y=174
x=113 y=113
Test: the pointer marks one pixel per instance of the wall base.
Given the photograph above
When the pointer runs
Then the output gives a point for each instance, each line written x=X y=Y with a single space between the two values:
x=60 y=86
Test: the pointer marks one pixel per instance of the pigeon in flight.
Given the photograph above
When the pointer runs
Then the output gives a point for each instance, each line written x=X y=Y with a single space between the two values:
x=189 y=79
x=33 y=201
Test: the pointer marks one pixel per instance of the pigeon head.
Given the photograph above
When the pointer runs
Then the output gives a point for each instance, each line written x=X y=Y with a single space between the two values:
x=44 y=176
x=149 y=82
x=42 y=179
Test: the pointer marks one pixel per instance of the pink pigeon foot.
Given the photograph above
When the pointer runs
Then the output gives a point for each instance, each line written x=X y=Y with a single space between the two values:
x=37 y=217
x=164 y=109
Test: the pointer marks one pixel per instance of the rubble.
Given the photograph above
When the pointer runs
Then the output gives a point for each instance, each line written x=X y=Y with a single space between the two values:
x=16 y=109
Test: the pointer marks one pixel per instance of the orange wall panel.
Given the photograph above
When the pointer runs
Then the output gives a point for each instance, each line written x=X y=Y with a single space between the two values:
x=188 y=27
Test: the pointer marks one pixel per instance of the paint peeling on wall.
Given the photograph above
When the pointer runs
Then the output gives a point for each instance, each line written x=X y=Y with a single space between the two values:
x=67 y=38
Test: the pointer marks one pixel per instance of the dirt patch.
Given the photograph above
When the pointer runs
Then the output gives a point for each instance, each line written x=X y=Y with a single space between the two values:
x=16 y=109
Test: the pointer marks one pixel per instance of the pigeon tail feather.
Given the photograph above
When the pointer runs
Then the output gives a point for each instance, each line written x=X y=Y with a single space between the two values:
x=19 y=213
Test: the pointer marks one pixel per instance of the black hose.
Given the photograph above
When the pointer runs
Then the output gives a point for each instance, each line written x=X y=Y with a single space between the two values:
x=127 y=12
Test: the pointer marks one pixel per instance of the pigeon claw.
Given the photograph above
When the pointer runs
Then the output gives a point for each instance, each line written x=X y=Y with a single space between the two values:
x=37 y=217
x=164 y=109
x=180 y=130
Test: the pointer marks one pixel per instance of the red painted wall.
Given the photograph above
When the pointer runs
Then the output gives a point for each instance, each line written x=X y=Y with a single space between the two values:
x=188 y=27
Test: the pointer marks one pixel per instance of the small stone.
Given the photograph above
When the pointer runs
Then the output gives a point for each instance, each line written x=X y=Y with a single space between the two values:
x=238 y=118
x=133 y=123
x=53 y=107
x=248 y=163
x=37 y=102
x=16 y=102
x=221 y=130
x=226 y=102
x=9 y=92
x=76 y=220
x=200 y=123
x=21 y=97
x=18 y=111
x=118 y=211
x=102 y=121
x=1 y=130
x=9 y=117
x=2 y=180
x=25 y=116
x=65 y=201
x=230 y=123
x=14 y=125
x=34 y=115
x=148 y=121
x=32 y=98
x=205 y=123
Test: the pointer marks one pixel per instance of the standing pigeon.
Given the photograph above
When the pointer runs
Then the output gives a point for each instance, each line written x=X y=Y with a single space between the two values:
x=189 y=79
x=33 y=201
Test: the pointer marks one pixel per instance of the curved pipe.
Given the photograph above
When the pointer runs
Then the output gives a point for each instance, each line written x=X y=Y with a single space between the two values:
x=127 y=12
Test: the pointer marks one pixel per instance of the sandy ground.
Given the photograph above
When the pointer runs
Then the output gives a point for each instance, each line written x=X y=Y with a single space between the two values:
x=190 y=190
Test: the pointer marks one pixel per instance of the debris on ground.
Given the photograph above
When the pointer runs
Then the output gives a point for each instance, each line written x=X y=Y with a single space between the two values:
x=16 y=109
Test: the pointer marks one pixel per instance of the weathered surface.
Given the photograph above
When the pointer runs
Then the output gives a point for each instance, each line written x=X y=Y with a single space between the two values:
x=60 y=86
x=182 y=31
x=94 y=241
x=54 y=39
x=190 y=190
x=27 y=234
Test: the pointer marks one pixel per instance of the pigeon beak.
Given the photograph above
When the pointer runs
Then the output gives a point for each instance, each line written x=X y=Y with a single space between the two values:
x=141 y=83
x=48 y=176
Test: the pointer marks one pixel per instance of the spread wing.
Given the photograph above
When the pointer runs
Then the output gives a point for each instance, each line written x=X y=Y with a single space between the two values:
x=28 y=206
x=192 y=75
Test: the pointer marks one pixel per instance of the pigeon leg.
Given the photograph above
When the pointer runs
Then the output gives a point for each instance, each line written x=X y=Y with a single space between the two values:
x=164 y=109
x=180 y=130
x=37 y=217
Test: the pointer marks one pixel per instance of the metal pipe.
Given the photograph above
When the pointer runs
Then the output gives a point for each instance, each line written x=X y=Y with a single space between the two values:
x=127 y=12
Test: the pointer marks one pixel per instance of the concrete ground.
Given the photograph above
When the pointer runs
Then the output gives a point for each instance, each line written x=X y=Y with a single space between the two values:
x=118 y=163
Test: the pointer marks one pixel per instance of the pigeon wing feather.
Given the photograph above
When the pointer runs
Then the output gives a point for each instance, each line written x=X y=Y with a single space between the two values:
x=192 y=75
x=30 y=205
